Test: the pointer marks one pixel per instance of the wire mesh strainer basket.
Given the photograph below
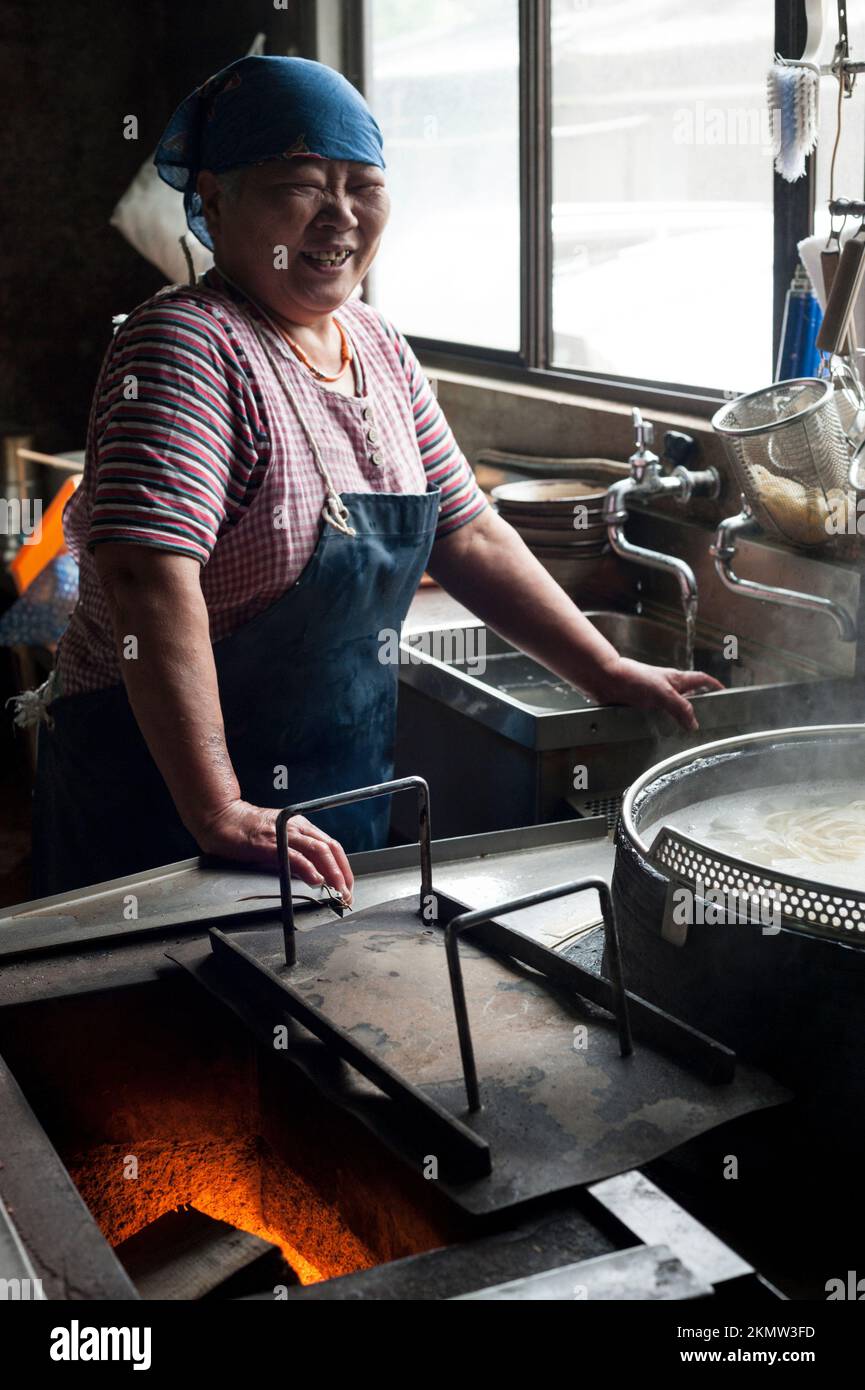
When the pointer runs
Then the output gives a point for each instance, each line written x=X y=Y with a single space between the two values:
x=790 y=456
x=660 y=808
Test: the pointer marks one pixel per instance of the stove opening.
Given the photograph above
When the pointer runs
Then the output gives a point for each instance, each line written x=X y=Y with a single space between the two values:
x=180 y=1130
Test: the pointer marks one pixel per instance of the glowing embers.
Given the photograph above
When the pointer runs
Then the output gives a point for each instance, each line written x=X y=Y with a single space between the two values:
x=242 y=1183
x=157 y=1098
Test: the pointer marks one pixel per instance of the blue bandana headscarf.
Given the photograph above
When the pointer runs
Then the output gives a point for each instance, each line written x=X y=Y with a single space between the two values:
x=258 y=109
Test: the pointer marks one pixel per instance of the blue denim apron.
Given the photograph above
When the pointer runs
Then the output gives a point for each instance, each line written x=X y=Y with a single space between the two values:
x=308 y=704
x=309 y=709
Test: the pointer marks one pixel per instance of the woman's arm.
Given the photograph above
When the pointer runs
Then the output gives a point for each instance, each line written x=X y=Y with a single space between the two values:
x=155 y=597
x=488 y=567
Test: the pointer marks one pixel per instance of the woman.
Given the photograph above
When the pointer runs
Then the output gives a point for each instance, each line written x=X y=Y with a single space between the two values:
x=267 y=477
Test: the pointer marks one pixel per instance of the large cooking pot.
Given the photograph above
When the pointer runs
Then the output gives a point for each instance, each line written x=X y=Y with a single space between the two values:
x=769 y=962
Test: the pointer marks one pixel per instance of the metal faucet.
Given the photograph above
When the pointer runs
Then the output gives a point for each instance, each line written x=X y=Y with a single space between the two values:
x=744 y=527
x=647 y=479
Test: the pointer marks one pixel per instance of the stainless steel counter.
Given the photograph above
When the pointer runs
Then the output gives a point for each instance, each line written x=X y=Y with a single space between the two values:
x=180 y=898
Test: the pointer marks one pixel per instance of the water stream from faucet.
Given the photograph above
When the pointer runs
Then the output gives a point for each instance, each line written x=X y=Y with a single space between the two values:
x=690 y=608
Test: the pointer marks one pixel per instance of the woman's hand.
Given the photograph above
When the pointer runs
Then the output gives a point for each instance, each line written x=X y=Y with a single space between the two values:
x=626 y=682
x=243 y=831
x=489 y=568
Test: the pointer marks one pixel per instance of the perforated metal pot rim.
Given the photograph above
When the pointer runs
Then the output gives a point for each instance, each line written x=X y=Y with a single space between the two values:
x=679 y=761
x=744 y=432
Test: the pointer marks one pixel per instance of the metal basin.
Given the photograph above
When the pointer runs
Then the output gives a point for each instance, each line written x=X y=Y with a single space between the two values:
x=518 y=677
x=776 y=968
x=478 y=656
x=531 y=748
x=639 y=637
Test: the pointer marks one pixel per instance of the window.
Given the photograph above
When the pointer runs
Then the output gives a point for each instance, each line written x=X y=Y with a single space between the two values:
x=444 y=86
x=584 y=192
x=662 y=190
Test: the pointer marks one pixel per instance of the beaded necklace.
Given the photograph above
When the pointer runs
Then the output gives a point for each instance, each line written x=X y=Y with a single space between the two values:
x=345 y=356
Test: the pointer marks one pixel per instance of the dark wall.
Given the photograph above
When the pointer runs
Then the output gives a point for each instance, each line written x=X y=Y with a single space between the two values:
x=70 y=71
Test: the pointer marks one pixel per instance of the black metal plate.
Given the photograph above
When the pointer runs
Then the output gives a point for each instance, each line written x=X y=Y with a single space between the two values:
x=554 y=1115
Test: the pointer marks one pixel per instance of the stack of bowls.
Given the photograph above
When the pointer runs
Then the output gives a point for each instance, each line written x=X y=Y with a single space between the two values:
x=561 y=521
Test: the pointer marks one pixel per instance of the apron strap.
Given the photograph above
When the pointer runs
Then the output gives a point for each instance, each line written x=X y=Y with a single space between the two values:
x=334 y=512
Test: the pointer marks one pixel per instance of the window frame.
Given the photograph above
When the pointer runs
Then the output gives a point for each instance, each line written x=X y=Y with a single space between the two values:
x=793 y=215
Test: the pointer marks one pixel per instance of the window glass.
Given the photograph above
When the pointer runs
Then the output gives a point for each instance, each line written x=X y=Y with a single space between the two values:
x=445 y=89
x=662 y=189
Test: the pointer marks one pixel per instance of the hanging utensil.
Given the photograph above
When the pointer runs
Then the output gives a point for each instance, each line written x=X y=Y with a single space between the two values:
x=846 y=285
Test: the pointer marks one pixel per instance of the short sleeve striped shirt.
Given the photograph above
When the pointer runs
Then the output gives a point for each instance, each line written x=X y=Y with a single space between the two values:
x=187 y=424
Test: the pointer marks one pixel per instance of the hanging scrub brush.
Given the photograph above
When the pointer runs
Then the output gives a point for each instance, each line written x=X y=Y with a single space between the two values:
x=794 y=91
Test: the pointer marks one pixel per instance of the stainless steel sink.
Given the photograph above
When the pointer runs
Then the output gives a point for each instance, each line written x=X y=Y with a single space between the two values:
x=523 y=700
x=634 y=635
x=513 y=744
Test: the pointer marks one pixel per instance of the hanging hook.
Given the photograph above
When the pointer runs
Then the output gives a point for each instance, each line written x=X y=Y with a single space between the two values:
x=835 y=232
x=841 y=55
x=843 y=208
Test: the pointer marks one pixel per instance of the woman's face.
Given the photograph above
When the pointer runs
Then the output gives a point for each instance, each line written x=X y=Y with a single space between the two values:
x=298 y=234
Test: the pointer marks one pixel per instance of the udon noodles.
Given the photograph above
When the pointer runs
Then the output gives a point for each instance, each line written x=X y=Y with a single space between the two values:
x=813 y=830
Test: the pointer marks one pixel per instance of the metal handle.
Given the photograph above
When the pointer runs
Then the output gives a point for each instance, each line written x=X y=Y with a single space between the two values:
x=829 y=260
x=644 y=431
x=842 y=298
x=346 y=799
x=705 y=482
x=679 y=447
x=467 y=920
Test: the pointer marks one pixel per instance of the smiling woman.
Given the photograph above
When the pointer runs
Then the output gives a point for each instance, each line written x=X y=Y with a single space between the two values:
x=299 y=235
x=268 y=474
x=278 y=466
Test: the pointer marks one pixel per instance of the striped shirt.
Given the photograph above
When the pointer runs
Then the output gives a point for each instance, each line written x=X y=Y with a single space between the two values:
x=189 y=427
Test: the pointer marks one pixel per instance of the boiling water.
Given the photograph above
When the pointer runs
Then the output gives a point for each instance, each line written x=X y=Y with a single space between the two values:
x=814 y=830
